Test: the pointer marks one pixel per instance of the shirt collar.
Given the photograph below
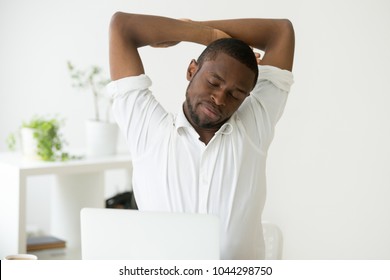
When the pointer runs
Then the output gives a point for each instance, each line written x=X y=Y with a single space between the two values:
x=181 y=121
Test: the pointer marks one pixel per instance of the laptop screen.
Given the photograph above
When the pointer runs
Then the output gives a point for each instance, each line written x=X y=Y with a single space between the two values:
x=131 y=234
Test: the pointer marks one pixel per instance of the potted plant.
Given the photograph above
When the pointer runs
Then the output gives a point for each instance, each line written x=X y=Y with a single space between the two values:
x=101 y=133
x=41 y=139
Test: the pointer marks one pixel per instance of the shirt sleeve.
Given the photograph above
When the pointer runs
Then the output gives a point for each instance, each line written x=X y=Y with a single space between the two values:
x=263 y=108
x=136 y=111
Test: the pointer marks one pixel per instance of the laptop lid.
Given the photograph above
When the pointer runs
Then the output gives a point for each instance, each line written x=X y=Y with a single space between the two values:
x=131 y=234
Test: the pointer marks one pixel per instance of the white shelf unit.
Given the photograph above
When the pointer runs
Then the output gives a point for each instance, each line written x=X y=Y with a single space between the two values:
x=79 y=184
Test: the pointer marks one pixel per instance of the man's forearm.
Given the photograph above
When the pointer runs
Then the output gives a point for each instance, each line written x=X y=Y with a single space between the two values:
x=128 y=32
x=274 y=36
x=145 y=30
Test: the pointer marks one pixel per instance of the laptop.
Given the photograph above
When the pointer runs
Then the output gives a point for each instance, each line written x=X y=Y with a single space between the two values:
x=122 y=234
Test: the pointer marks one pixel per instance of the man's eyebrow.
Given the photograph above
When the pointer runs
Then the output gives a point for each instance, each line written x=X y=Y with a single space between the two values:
x=215 y=75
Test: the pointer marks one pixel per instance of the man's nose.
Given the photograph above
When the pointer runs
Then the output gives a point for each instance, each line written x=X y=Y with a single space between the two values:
x=218 y=97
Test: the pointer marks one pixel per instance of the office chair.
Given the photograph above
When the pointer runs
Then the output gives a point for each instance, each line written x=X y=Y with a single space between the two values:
x=273 y=239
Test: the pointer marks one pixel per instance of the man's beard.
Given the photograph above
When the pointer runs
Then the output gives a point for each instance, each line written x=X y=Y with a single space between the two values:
x=195 y=118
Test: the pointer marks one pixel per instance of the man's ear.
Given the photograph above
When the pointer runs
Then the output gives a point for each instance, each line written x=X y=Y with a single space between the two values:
x=191 y=70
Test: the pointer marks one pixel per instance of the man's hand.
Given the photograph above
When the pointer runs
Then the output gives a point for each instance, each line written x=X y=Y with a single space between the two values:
x=258 y=57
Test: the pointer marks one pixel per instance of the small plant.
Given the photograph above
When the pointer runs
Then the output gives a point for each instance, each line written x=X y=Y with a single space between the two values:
x=11 y=142
x=50 y=141
x=92 y=79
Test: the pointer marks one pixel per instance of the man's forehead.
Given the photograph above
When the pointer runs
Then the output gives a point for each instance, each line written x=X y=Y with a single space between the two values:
x=228 y=68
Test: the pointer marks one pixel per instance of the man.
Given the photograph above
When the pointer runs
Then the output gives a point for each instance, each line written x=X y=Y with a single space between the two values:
x=210 y=158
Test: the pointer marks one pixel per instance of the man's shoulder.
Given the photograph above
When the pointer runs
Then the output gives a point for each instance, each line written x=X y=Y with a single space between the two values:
x=283 y=79
x=127 y=84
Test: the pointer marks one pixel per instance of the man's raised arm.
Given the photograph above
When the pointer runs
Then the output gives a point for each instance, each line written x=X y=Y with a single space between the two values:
x=128 y=32
x=274 y=36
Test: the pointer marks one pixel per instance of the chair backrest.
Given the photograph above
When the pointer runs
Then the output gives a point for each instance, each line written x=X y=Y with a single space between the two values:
x=130 y=234
x=273 y=239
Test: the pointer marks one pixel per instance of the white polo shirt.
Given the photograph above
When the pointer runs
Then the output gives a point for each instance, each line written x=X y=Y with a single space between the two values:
x=174 y=171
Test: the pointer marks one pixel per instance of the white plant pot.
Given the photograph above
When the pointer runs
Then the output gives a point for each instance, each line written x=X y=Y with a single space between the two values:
x=101 y=138
x=29 y=144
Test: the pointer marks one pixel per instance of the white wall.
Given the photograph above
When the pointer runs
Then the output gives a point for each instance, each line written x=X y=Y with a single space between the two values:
x=329 y=165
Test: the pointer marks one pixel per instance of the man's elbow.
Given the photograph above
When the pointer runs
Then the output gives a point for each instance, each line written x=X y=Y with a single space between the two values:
x=287 y=29
x=117 y=21
x=125 y=27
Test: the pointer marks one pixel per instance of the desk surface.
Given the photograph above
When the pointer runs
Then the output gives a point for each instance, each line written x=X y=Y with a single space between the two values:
x=36 y=167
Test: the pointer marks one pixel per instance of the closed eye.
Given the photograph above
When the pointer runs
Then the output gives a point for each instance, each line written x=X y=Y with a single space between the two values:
x=213 y=84
x=233 y=95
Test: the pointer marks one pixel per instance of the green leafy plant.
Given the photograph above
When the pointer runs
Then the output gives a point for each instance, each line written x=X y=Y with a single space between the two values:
x=50 y=140
x=11 y=142
x=92 y=79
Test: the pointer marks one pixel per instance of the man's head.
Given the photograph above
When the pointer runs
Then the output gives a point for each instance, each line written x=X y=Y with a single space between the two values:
x=234 y=48
x=220 y=80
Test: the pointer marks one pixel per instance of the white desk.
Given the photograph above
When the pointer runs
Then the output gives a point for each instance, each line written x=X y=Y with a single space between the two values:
x=79 y=183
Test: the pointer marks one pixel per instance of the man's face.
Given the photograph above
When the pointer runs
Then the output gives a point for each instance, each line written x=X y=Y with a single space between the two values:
x=216 y=90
